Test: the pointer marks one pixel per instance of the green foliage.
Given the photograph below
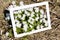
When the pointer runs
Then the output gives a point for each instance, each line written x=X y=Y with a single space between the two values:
x=33 y=9
x=34 y=16
x=39 y=13
x=23 y=12
x=19 y=19
x=35 y=23
x=10 y=33
x=29 y=11
x=29 y=29
x=15 y=14
x=19 y=30
x=26 y=18
x=43 y=23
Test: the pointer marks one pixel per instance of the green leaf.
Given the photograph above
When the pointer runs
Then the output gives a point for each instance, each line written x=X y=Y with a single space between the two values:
x=26 y=18
x=19 y=19
x=29 y=29
x=10 y=33
x=19 y=30
x=29 y=11
x=33 y=9
x=35 y=24
x=15 y=14
x=43 y=23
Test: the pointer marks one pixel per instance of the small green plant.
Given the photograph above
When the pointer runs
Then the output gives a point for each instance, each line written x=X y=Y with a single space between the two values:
x=10 y=33
x=29 y=29
x=24 y=18
x=19 y=30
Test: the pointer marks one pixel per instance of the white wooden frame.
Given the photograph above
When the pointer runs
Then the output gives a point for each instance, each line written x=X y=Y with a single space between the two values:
x=27 y=6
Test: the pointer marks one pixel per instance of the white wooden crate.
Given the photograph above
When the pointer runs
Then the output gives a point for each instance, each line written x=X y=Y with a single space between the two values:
x=24 y=7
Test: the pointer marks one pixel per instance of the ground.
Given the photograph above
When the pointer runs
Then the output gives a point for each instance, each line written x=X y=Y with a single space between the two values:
x=53 y=34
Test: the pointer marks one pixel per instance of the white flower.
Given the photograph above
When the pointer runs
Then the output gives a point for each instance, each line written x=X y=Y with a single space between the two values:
x=30 y=9
x=38 y=27
x=24 y=23
x=31 y=26
x=18 y=25
x=19 y=11
x=33 y=29
x=41 y=16
x=44 y=16
x=31 y=20
x=37 y=18
x=46 y=24
x=19 y=16
x=25 y=27
x=37 y=15
x=44 y=20
x=23 y=17
x=32 y=14
x=15 y=12
x=42 y=12
x=41 y=20
x=27 y=13
x=17 y=21
x=36 y=9
x=21 y=3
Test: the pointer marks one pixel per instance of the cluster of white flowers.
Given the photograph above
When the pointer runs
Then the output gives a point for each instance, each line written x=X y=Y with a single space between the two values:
x=31 y=19
x=27 y=13
x=18 y=24
x=36 y=9
x=23 y=17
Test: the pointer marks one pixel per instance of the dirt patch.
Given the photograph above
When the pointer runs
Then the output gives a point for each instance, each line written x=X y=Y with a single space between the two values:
x=53 y=34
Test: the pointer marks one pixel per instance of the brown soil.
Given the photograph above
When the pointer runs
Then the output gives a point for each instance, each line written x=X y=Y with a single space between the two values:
x=53 y=34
